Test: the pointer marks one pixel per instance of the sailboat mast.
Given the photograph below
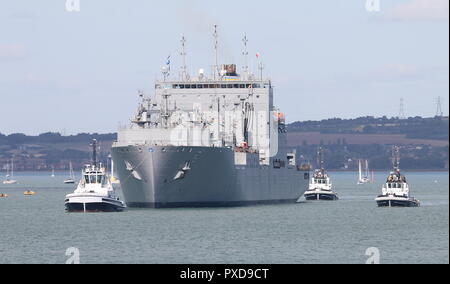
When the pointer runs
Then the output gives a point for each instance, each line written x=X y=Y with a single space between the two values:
x=71 y=170
x=360 y=170
x=367 y=169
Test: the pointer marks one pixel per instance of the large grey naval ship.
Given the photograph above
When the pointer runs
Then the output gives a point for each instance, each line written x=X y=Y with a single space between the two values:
x=208 y=140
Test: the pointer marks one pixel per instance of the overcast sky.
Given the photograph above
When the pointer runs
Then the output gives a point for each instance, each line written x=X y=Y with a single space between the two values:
x=80 y=71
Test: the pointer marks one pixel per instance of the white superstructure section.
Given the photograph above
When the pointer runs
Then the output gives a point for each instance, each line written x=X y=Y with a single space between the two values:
x=320 y=181
x=231 y=112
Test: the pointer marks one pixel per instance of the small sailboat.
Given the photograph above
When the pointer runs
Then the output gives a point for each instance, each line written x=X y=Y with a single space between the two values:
x=320 y=186
x=364 y=175
x=53 y=172
x=395 y=192
x=71 y=179
x=10 y=174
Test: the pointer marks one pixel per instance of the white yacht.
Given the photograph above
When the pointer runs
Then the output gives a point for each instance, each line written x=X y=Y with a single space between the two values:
x=95 y=192
x=364 y=176
x=320 y=186
x=395 y=192
x=71 y=179
x=10 y=175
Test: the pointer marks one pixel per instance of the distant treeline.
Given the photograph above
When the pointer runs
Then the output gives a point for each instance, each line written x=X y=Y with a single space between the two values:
x=50 y=137
x=346 y=156
x=53 y=150
x=414 y=127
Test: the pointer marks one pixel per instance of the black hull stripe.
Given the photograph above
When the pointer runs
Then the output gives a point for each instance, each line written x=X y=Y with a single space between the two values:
x=385 y=203
x=93 y=207
x=207 y=204
x=330 y=197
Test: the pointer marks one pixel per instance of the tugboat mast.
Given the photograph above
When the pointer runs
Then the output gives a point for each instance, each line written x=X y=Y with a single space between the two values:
x=94 y=152
x=396 y=158
x=320 y=162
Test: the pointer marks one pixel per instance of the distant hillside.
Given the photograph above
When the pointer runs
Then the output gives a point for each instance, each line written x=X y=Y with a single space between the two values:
x=54 y=138
x=423 y=141
x=51 y=150
x=436 y=128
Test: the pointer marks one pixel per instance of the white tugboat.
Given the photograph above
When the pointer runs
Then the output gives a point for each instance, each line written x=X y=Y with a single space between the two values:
x=95 y=192
x=395 y=192
x=320 y=186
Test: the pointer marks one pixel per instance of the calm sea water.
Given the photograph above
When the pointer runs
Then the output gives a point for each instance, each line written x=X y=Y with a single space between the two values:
x=36 y=229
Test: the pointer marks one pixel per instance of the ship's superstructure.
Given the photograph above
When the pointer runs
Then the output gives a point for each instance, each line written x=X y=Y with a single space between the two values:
x=208 y=140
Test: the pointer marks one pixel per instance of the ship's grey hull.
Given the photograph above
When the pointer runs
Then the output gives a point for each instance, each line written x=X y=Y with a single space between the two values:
x=160 y=177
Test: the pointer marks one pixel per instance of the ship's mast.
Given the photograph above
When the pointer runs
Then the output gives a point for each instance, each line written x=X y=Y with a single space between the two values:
x=261 y=68
x=184 y=75
x=216 y=54
x=245 y=54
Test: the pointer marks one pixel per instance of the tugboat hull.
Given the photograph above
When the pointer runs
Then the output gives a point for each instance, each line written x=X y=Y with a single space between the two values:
x=89 y=204
x=321 y=196
x=397 y=202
